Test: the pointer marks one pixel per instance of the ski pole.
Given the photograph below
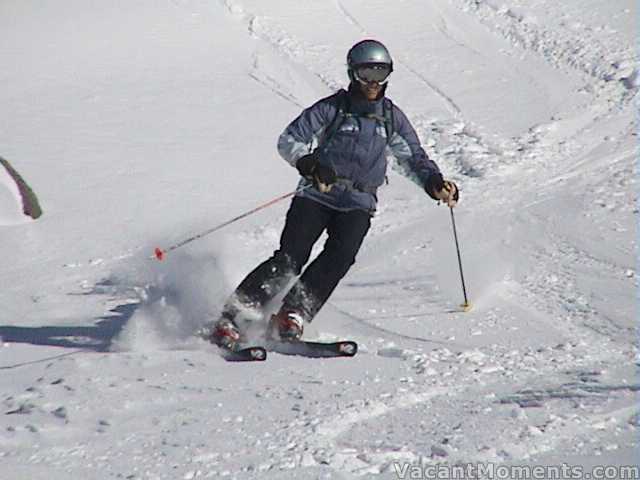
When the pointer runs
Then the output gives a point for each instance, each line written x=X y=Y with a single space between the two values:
x=159 y=253
x=466 y=306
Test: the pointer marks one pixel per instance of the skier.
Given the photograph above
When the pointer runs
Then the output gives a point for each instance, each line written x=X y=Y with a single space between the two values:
x=339 y=147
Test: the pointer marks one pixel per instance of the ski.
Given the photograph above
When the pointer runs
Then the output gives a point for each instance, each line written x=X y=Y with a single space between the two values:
x=344 y=348
x=245 y=354
x=235 y=352
x=304 y=348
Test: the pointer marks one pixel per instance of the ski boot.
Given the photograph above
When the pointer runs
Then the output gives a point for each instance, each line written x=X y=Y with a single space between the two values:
x=288 y=323
x=225 y=334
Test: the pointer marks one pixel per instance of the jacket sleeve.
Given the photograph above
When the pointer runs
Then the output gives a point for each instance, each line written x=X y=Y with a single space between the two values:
x=411 y=159
x=304 y=133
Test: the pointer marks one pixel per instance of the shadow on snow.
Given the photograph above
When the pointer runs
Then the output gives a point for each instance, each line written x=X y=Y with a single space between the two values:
x=98 y=337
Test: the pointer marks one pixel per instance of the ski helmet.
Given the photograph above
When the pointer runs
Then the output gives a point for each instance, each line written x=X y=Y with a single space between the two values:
x=369 y=60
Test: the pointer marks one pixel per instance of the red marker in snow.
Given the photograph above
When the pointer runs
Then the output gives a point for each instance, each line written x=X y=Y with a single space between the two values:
x=159 y=253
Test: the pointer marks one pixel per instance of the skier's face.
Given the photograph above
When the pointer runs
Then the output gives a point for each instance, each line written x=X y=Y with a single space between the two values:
x=372 y=77
x=371 y=90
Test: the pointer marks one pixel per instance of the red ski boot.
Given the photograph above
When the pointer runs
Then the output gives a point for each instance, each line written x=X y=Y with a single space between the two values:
x=225 y=334
x=289 y=324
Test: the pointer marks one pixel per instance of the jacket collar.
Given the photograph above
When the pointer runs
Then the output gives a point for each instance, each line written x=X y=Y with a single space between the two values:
x=360 y=105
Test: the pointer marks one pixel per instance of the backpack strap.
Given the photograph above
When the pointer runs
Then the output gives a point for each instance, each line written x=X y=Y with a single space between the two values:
x=342 y=112
x=387 y=109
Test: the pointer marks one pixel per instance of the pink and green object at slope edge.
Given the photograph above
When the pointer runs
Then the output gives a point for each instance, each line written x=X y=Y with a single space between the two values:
x=30 y=204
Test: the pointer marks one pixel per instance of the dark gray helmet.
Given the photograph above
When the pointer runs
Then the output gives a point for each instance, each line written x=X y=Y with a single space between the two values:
x=367 y=52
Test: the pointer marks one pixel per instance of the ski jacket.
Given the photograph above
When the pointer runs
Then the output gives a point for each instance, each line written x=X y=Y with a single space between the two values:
x=358 y=149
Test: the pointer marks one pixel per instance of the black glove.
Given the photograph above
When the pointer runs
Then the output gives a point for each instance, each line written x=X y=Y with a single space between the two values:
x=322 y=176
x=307 y=164
x=435 y=183
x=442 y=190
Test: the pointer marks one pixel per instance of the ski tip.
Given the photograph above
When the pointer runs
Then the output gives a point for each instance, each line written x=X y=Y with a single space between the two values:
x=159 y=253
x=348 y=348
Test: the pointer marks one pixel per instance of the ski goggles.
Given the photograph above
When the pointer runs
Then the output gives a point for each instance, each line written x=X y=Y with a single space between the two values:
x=373 y=72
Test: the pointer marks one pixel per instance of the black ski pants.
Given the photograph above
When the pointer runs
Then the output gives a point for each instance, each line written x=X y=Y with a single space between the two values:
x=306 y=221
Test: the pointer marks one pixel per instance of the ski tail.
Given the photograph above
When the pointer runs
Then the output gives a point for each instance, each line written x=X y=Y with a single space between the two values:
x=245 y=354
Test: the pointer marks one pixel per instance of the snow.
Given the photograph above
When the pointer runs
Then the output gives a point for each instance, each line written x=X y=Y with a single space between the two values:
x=10 y=201
x=140 y=124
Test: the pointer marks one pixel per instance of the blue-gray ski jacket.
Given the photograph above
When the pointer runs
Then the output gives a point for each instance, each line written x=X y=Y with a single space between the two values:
x=358 y=150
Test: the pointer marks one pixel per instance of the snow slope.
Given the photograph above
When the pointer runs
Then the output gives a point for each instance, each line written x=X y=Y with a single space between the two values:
x=141 y=123
x=10 y=200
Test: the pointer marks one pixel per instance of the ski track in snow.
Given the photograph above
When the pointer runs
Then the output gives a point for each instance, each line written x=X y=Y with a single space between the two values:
x=583 y=50
x=448 y=101
x=388 y=332
x=453 y=108
x=350 y=18
x=332 y=429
